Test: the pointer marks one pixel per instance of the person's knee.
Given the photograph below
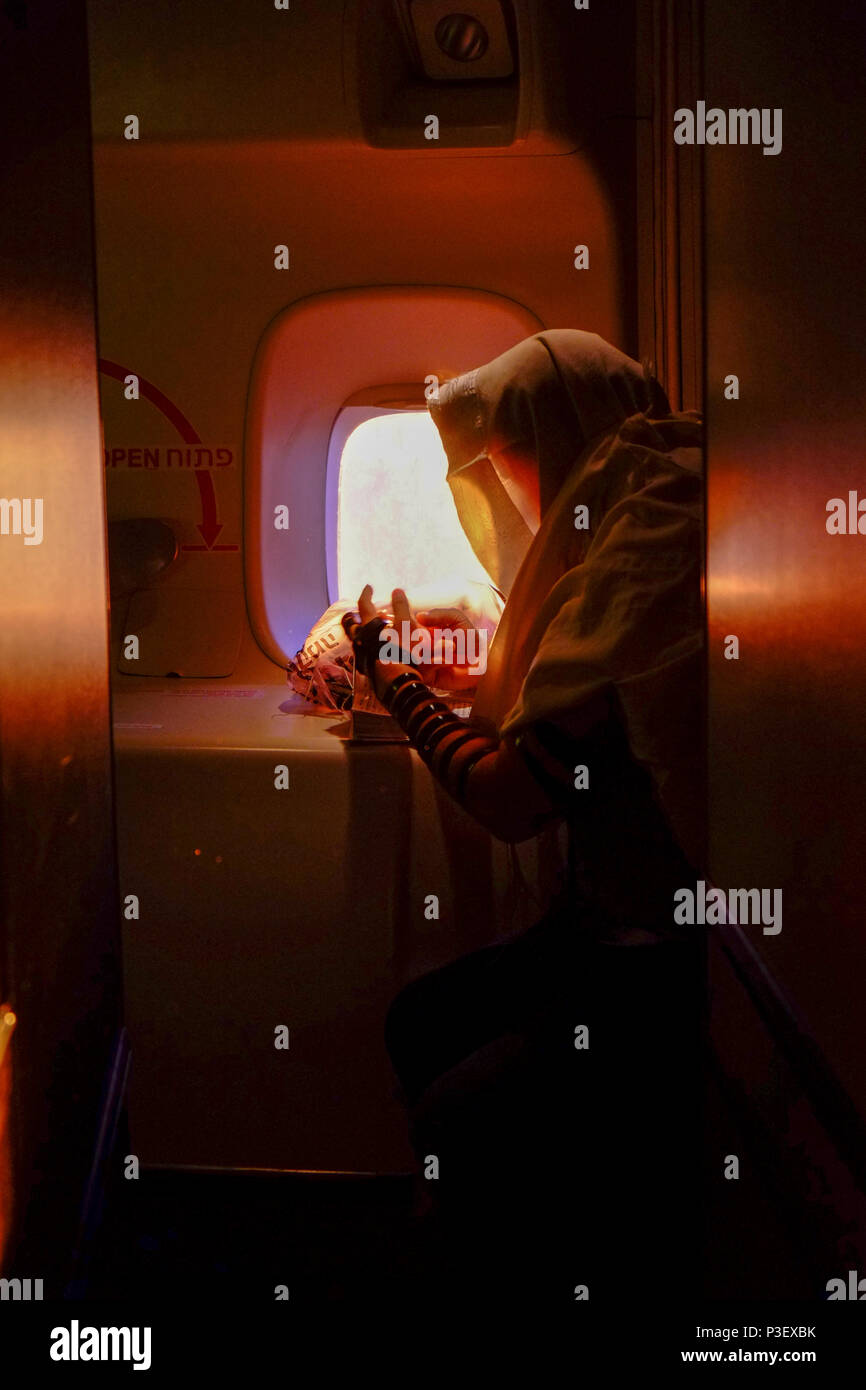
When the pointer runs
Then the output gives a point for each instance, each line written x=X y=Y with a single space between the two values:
x=411 y=1032
x=399 y=1021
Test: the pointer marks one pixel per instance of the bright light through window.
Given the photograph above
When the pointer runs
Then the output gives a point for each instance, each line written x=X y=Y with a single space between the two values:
x=397 y=525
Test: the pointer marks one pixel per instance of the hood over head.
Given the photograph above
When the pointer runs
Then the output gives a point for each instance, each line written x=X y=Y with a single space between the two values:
x=535 y=407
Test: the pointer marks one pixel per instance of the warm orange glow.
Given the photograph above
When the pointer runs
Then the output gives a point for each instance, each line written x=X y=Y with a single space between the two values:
x=7 y=1023
x=397 y=524
x=8 y=1020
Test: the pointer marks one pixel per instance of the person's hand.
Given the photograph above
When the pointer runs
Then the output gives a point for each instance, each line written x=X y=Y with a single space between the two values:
x=429 y=624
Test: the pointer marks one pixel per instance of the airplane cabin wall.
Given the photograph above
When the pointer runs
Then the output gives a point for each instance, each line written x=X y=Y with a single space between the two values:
x=260 y=908
x=786 y=308
x=62 y=1063
x=188 y=217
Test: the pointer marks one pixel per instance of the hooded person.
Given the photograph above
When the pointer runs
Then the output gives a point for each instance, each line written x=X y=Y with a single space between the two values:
x=604 y=616
x=581 y=494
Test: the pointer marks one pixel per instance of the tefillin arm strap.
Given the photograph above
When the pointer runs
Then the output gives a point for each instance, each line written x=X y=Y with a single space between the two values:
x=446 y=743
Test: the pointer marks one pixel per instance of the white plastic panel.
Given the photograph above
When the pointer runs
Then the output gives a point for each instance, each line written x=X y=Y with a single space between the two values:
x=303 y=908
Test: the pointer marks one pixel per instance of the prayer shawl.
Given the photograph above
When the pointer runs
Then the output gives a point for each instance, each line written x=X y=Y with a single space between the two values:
x=608 y=614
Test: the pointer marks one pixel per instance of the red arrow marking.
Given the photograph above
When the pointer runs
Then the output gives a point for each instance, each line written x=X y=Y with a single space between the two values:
x=209 y=528
x=154 y=395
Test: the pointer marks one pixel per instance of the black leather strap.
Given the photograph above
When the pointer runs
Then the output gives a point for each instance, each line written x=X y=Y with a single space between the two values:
x=449 y=745
x=366 y=641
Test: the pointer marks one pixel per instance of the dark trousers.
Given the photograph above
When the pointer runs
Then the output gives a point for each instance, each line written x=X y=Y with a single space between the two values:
x=582 y=1164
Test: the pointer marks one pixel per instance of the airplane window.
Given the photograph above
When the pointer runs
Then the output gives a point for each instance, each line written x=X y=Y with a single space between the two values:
x=396 y=520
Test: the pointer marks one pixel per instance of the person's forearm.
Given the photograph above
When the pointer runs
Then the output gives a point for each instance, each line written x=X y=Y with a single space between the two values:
x=487 y=777
x=384 y=675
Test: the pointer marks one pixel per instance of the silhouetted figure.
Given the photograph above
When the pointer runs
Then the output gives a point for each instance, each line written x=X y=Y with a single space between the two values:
x=555 y=1076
